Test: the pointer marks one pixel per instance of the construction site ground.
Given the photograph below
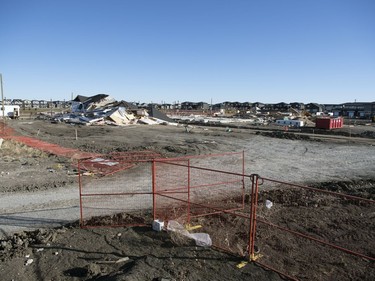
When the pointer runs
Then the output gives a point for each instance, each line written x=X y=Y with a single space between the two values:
x=39 y=204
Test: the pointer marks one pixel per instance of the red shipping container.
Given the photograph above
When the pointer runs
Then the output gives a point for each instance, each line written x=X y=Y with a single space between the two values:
x=329 y=123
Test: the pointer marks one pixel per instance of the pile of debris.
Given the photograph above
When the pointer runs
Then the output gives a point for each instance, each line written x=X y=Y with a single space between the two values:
x=102 y=109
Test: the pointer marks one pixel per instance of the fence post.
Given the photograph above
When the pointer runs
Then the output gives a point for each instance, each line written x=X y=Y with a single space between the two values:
x=243 y=179
x=153 y=190
x=188 y=207
x=80 y=193
x=253 y=208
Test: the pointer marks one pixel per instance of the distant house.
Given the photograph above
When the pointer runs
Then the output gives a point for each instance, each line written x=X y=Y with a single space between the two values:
x=297 y=105
x=282 y=106
x=363 y=110
x=202 y=105
x=43 y=104
x=166 y=106
x=187 y=105
x=18 y=102
x=258 y=105
x=217 y=106
x=314 y=107
x=335 y=109
x=246 y=106
x=26 y=104
x=35 y=104
x=7 y=101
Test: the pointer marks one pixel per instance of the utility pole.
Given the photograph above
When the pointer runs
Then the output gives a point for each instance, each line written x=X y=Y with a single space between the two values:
x=2 y=96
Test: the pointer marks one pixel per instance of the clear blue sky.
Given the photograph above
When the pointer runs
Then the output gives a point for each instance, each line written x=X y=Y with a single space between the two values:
x=189 y=50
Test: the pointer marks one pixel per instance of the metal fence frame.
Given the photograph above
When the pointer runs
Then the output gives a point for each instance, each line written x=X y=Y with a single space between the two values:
x=247 y=211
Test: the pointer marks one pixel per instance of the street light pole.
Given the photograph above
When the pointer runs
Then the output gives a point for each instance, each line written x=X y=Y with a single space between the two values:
x=2 y=96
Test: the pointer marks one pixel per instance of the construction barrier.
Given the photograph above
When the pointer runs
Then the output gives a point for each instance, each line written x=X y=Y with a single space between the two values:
x=296 y=219
x=263 y=220
x=124 y=200
x=192 y=186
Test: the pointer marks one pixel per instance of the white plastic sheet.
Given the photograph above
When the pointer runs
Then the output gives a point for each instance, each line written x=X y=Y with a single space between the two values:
x=201 y=239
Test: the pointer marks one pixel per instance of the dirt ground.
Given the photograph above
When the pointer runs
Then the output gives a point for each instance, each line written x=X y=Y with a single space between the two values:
x=39 y=206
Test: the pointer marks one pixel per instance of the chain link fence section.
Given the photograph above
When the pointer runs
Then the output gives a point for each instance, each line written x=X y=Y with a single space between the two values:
x=121 y=200
x=332 y=227
x=194 y=186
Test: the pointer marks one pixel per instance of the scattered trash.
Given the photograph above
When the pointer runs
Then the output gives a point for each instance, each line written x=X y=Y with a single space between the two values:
x=269 y=204
x=56 y=253
x=201 y=239
x=27 y=256
x=1 y=142
x=124 y=259
x=157 y=225
x=192 y=227
x=28 y=262
x=242 y=264
x=40 y=249
x=118 y=234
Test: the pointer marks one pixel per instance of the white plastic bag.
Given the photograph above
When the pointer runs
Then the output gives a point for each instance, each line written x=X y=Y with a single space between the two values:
x=269 y=204
x=201 y=239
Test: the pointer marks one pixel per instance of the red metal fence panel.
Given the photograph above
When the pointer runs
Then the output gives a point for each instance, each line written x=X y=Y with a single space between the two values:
x=271 y=222
x=121 y=200
x=197 y=188
x=295 y=220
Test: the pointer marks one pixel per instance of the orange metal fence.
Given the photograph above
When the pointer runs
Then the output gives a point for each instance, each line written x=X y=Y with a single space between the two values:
x=263 y=220
x=192 y=186
x=296 y=219
x=124 y=200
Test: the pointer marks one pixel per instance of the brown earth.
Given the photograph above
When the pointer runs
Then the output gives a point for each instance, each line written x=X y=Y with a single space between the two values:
x=71 y=253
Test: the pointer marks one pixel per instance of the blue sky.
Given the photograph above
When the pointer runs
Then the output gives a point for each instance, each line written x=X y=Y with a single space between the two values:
x=189 y=50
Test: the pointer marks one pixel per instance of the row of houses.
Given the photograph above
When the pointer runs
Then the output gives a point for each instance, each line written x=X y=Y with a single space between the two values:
x=27 y=104
x=350 y=109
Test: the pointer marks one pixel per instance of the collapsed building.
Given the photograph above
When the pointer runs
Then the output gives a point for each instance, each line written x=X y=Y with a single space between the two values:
x=102 y=109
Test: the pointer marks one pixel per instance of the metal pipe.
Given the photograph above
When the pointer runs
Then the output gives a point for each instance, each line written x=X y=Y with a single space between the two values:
x=154 y=190
x=188 y=190
x=80 y=193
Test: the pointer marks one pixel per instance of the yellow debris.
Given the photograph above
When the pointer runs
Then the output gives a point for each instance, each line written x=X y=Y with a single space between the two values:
x=254 y=257
x=192 y=227
x=242 y=264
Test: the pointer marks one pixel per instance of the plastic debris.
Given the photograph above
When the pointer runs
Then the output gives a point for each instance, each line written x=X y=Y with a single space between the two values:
x=269 y=204
x=201 y=239
x=28 y=262
x=192 y=227
x=157 y=225
x=242 y=264
x=122 y=260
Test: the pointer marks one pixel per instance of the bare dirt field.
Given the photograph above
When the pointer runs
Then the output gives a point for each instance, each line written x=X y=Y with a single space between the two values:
x=39 y=206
